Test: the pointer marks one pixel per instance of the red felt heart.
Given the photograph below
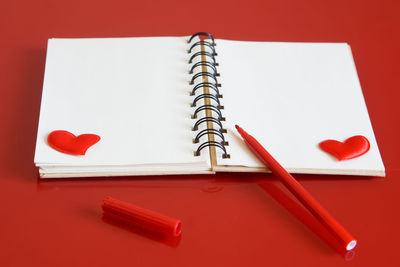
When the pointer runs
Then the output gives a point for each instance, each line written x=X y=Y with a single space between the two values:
x=351 y=148
x=68 y=143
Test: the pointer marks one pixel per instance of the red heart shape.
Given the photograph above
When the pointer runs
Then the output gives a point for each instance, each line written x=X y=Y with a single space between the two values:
x=351 y=148
x=68 y=143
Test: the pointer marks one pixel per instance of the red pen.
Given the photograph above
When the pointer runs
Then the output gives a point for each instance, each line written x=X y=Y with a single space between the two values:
x=301 y=194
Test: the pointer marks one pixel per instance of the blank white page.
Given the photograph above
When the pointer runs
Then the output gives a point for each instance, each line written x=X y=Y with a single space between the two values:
x=132 y=92
x=290 y=97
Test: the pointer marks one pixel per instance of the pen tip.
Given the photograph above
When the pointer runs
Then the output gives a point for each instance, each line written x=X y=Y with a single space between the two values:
x=240 y=130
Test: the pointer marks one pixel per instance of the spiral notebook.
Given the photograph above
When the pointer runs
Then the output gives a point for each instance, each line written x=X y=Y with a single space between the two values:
x=168 y=105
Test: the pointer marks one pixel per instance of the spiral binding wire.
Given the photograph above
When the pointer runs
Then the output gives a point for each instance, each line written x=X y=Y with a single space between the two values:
x=204 y=63
x=206 y=84
x=215 y=106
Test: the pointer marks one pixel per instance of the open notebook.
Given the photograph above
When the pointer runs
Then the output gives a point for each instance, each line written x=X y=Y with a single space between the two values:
x=149 y=98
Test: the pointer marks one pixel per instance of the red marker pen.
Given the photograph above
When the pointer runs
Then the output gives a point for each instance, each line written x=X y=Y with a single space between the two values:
x=299 y=191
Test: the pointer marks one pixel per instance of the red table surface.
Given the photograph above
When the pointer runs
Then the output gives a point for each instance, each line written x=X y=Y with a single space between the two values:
x=228 y=219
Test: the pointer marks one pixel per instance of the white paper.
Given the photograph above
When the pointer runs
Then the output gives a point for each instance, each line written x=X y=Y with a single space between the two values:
x=290 y=97
x=132 y=92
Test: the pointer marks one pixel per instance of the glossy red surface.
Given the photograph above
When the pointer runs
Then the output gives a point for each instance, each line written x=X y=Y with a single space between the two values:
x=227 y=219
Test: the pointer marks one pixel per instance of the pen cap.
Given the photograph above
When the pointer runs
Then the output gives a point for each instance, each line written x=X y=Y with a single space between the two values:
x=142 y=218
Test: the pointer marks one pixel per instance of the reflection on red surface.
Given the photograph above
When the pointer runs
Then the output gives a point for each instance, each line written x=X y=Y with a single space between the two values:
x=205 y=183
x=208 y=184
x=304 y=216
x=116 y=221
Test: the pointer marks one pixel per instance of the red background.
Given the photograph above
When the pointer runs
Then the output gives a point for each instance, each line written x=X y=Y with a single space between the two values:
x=228 y=219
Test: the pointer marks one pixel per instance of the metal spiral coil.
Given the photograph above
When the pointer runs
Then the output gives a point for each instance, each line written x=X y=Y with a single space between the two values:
x=214 y=107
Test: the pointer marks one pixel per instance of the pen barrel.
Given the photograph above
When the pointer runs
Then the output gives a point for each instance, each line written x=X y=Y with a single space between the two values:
x=145 y=219
x=302 y=194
